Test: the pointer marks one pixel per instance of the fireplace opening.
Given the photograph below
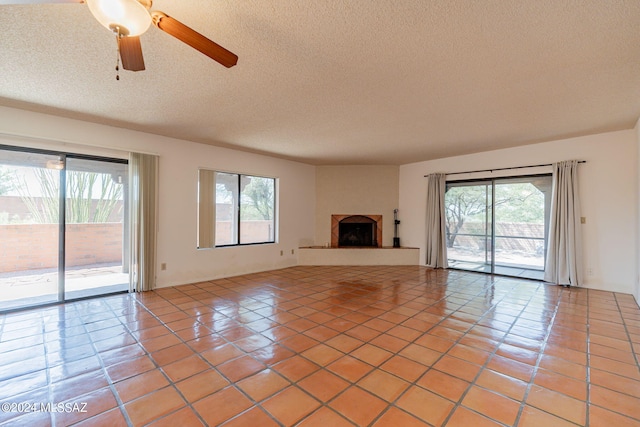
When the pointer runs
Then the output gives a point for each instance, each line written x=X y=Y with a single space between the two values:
x=357 y=230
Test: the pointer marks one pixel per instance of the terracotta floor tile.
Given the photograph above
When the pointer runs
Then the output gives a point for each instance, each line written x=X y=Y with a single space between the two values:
x=371 y=354
x=130 y=368
x=614 y=401
x=601 y=417
x=470 y=354
x=425 y=405
x=158 y=343
x=492 y=405
x=457 y=367
x=295 y=368
x=322 y=354
x=482 y=343
x=384 y=385
x=240 y=368
x=142 y=384
x=359 y=406
x=77 y=386
x=569 y=386
x=221 y=354
x=614 y=366
x=185 y=368
x=447 y=333
x=533 y=417
x=324 y=417
x=420 y=354
x=344 y=343
x=502 y=384
x=97 y=401
x=435 y=343
x=323 y=385
x=171 y=354
x=615 y=382
x=299 y=343
x=290 y=405
x=263 y=384
x=565 y=353
x=206 y=342
x=111 y=418
x=301 y=325
x=404 y=333
x=154 y=405
x=512 y=368
x=362 y=333
x=443 y=384
x=340 y=325
x=404 y=368
x=222 y=405
x=557 y=404
x=350 y=368
x=408 y=335
x=321 y=333
x=254 y=417
x=253 y=342
x=395 y=417
x=201 y=385
x=463 y=417
x=389 y=343
x=184 y=417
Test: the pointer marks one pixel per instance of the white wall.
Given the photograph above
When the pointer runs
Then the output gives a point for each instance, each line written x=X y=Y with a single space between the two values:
x=179 y=163
x=608 y=190
x=366 y=190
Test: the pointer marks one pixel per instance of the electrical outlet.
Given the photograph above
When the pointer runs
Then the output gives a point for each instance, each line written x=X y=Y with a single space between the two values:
x=583 y=220
x=293 y=251
x=163 y=266
x=281 y=253
x=589 y=271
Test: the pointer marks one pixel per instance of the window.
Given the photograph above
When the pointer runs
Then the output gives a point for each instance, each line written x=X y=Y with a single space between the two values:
x=244 y=209
x=499 y=225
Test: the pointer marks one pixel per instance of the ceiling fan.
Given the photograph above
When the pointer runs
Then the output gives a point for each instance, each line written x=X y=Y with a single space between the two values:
x=128 y=19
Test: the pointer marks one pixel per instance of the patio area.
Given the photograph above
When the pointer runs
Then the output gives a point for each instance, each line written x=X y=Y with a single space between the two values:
x=33 y=287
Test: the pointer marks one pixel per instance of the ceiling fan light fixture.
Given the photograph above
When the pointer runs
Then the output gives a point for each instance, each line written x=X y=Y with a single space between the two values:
x=125 y=17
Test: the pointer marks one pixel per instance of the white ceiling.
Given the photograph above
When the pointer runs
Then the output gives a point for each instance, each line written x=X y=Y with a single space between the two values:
x=341 y=82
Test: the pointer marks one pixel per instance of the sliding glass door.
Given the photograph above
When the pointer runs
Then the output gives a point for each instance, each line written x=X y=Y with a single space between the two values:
x=95 y=242
x=29 y=228
x=62 y=227
x=499 y=226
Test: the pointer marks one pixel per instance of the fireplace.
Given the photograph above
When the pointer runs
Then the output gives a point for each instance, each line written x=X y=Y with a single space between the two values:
x=356 y=231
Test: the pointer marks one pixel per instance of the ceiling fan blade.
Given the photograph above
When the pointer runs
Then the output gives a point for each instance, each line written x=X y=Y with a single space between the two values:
x=131 y=53
x=194 y=39
x=39 y=1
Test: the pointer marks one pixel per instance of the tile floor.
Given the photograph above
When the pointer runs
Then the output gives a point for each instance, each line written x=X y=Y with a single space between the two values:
x=328 y=346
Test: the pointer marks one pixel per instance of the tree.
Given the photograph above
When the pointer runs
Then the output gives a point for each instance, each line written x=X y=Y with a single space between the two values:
x=91 y=197
x=462 y=203
x=258 y=196
x=517 y=202
x=7 y=182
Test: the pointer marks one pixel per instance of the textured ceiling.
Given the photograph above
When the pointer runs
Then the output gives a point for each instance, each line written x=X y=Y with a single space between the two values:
x=341 y=82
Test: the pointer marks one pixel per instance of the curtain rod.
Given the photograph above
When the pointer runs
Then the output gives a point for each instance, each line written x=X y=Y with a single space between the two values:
x=504 y=169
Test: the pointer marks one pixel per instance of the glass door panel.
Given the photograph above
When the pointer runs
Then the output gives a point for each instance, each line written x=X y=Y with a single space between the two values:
x=521 y=222
x=468 y=225
x=499 y=225
x=29 y=228
x=95 y=237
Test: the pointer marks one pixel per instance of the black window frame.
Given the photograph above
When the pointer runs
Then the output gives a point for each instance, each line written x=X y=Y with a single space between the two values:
x=238 y=208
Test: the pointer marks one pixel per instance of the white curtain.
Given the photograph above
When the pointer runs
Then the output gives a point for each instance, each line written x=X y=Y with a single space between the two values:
x=436 y=247
x=564 y=252
x=143 y=197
